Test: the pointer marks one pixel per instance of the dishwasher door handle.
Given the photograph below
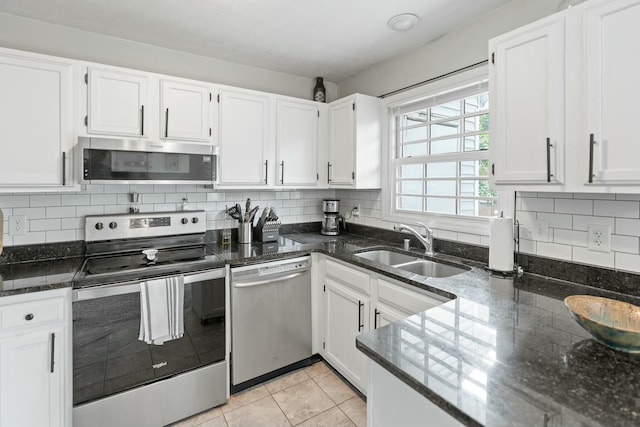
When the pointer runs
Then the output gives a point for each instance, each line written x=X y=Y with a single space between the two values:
x=269 y=280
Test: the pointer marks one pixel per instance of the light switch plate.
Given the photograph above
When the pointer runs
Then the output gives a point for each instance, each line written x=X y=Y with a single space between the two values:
x=540 y=230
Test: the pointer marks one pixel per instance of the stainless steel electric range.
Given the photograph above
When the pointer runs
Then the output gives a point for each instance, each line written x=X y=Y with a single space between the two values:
x=119 y=379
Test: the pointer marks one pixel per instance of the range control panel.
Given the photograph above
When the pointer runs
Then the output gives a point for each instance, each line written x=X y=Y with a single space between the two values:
x=155 y=224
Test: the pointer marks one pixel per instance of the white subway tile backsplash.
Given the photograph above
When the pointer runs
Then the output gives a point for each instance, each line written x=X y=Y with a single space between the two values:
x=115 y=188
x=13 y=201
x=44 y=224
x=570 y=237
x=151 y=198
x=141 y=188
x=594 y=196
x=634 y=197
x=582 y=222
x=537 y=204
x=45 y=200
x=105 y=199
x=554 y=250
x=83 y=211
x=627 y=227
x=557 y=220
x=473 y=239
x=616 y=209
x=175 y=197
x=585 y=256
x=186 y=188
x=72 y=223
x=164 y=188
x=60 y=236
x=627 y=262
x=61 y=212
x=30 y=213
x=627 y=244
x=75 y=199
x=30 y=238
x=572 y=206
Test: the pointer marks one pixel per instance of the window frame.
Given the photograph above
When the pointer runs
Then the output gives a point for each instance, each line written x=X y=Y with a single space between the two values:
x=440 y=88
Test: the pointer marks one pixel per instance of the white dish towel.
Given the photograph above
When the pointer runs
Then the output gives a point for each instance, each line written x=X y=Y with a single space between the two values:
x=161 y=310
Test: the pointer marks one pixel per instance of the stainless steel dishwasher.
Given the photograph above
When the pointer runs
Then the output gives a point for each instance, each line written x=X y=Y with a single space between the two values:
x=270 y=318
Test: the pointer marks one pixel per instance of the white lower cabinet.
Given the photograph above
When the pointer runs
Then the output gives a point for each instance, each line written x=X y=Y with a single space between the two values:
x=35 y=368
x=357 y=301
x=347 y=313
x=390 y=402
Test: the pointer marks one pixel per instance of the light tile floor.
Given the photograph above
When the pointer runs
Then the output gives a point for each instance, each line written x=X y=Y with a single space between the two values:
x=309 y=397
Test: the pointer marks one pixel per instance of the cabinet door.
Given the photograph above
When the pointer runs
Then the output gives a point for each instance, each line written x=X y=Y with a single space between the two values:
x=297 y=142
x=341 y=166
x=383 y=315
x=117 y=103
x=612 y=72
x=35 y=121
x=31 y=389
x=527 y=92
x=244 y=133
x=185 y=111
x=346 y=317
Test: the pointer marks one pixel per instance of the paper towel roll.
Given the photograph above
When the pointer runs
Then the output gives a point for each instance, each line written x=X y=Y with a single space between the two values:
x=501 y=244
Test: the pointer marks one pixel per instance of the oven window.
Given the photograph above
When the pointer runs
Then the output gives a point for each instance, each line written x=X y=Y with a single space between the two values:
x=108 y=357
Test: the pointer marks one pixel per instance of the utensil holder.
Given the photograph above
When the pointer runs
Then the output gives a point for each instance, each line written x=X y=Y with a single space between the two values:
x=244 y=232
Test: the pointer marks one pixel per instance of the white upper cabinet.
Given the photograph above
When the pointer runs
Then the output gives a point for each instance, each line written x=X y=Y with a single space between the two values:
x=36 y=127
x=297 y=142
x=118 y=103
x=527 y=97
x=244 y=137
x=185 y=111
x=572 y=78
x=355 y=144
x=612 y=67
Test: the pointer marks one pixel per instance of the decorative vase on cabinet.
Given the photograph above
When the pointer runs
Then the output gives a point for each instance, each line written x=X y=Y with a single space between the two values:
x=319 y=92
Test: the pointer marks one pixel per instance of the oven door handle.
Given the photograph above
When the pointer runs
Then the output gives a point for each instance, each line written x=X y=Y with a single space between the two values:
x=132 y=287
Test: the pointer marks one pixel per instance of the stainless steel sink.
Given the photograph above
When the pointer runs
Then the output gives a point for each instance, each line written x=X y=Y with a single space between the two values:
x=386 y=257
x=430 y=269
x=411 y=263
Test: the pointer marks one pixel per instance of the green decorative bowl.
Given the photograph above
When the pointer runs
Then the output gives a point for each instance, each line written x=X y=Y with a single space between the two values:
x=613 y=323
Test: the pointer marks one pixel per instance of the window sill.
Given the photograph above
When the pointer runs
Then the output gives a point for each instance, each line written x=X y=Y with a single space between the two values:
x=479 y=226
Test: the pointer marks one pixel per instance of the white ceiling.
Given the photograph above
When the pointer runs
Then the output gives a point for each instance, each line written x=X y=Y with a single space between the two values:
x=330 y=38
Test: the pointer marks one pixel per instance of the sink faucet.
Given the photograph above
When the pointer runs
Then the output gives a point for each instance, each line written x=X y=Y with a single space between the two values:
x=426 y=240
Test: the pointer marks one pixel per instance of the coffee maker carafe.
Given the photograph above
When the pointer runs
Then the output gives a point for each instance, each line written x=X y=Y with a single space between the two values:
x=333 y=222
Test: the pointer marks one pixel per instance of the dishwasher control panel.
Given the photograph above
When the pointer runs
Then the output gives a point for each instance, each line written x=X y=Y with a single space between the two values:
x=282 y=268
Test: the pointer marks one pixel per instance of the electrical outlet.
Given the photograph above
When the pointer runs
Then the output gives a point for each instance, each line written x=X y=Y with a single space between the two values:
x=356 y=211
x=599 y=239
x=17 y=225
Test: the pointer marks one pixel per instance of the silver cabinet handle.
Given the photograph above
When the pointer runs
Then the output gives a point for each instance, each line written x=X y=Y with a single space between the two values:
x=142 y=120
x=166 y=123
x=53 y=350
x=282 y=172
x=266 y=171
x=592 y=142
x=64 y=168
x=328 y=172
x=376 y=313
x=360 y=306
x=549 y=145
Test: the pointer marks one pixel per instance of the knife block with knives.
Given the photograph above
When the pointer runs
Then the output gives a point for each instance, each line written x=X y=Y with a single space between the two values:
x=268 y=227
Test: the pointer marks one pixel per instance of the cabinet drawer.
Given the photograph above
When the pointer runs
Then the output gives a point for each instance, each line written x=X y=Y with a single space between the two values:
x=39 y=312
x=408 y=300
x=349 y=276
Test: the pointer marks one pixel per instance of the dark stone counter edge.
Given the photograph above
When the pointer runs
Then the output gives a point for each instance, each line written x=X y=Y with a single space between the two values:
x=31 y=289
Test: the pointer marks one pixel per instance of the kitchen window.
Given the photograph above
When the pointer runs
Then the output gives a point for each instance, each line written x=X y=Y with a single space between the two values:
x=441 y=154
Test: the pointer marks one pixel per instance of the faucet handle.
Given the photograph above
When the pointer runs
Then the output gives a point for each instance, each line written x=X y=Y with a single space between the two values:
x=428 y=231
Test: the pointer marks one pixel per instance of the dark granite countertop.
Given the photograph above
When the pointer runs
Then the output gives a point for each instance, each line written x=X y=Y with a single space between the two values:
x=35 y=276
x=505 y=352
x=502 y=352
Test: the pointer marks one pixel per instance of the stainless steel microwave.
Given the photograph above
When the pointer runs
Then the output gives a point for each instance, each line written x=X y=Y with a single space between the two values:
x=123 y=161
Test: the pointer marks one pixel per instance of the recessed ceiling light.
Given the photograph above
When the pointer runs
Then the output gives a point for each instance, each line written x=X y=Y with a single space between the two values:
x=403 y=22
